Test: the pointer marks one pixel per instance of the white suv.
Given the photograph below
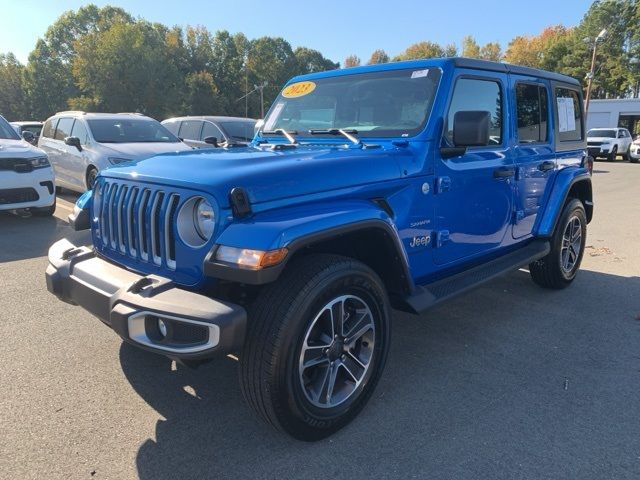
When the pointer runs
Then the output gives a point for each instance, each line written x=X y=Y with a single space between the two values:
x=609 y=142
x=81 y=144
x=26 y=177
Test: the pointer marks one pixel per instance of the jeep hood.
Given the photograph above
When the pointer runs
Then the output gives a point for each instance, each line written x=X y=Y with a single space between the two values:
x=142 y=150
x=20 y=148
x=265 y=174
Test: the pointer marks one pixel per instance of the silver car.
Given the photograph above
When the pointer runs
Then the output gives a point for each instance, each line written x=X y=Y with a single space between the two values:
x=207 y=131
x=80 y=145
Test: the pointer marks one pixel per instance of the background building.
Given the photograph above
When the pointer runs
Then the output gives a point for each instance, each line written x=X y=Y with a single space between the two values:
x=618 y=112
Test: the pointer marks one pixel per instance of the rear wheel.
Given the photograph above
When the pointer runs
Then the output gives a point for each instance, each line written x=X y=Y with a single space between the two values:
x=558 y=269
x=316 y=346
x=612 y=156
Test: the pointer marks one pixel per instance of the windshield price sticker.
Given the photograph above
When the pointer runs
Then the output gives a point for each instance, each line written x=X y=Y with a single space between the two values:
x=420 y=73
x=298 y=89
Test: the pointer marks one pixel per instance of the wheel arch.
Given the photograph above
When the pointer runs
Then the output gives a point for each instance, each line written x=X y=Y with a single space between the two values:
x=570 y=183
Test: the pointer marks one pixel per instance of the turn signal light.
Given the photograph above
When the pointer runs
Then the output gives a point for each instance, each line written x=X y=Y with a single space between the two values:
x=247 y=258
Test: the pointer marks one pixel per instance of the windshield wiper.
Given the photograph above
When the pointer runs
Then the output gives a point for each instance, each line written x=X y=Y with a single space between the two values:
x=281 y=131
x=347 y=133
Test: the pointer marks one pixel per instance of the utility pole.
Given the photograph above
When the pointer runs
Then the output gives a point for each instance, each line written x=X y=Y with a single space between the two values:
x=261 y=88
x=591 y=73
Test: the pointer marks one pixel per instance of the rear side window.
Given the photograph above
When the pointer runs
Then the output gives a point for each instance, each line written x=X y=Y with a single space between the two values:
x=190 y=129
x=81 y=132
x=472 y=94
x=531 y=105
x=49 y=128
x=63 y=129
x=569 y=115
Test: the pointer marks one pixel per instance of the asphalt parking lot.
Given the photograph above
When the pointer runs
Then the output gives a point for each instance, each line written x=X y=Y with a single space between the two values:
x=509 y=381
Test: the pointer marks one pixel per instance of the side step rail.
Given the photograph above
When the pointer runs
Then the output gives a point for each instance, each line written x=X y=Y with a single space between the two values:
x=429 y=295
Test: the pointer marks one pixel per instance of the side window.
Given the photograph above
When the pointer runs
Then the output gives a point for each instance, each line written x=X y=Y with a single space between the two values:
x=80 y=131
x=531 y=105
x=49 y=128
x=210 y=130
x=190 y=129
x=173 y=127
x=63 y=129
x=477 y=95
x=569 y=115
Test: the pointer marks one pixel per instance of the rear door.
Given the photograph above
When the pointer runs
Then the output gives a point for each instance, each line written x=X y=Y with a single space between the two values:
x=63 y=162
x=474 y=191
x=533 y=150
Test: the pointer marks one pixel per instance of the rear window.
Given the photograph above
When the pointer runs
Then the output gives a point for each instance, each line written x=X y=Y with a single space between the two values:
x=569 y=115
x=49 y=128
x=190 y=129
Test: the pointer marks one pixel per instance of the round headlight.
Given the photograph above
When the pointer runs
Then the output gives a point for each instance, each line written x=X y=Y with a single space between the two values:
x=196 y=222
x=205 y=219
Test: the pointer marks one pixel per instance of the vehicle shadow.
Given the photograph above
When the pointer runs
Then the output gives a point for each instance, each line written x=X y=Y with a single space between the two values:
x=29 y=237
x=510 y=380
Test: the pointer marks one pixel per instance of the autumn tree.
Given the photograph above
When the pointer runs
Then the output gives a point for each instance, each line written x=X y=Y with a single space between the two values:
x=470 y=47
x=379 y=56
x=491 y=51
x=352 y=61
x=421 y=50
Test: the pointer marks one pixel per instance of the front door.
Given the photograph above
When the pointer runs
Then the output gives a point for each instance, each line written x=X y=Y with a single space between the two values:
x=474 y=191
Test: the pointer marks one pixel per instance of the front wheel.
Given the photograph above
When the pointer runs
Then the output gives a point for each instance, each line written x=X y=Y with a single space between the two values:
x=612 y=156
x=558 y=269
x=92 y=174
x=316 y=346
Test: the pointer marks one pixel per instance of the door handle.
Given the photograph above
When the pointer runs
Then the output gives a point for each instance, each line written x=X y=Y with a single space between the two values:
x=504 y=172
x=548 y=165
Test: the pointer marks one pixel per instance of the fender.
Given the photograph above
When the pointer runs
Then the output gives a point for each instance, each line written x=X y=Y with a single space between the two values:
x=565 y=180
x=299 y=227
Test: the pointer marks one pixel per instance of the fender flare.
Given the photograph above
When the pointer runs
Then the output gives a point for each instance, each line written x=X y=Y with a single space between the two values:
x=290 y=229
x=563 y=184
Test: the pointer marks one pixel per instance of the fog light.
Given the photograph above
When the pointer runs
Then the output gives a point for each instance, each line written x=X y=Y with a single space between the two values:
x=162 y=327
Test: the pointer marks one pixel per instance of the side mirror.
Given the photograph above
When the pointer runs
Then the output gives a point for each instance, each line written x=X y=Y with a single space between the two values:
x=211 y=141
x=471 y=128
x=73 y=142
x=28 y=136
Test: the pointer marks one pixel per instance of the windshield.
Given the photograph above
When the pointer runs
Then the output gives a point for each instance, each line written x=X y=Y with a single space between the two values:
x=602 y=133
x=392 y=103
x=119 y=130
x=7 y=132
x=242 y=131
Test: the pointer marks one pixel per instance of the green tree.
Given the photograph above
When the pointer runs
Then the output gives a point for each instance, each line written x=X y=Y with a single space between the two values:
x=470 y=47
x=310 y=61
x=12 y=96
x=491 y=51
x=203 y=96
x=450 y=50
x=379 y=56
x=127 y=68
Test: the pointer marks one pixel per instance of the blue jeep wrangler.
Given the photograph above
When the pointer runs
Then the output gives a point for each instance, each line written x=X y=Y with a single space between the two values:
x=397 y=185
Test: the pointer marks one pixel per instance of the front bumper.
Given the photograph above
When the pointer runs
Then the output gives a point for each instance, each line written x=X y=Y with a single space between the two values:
x=40 y=181
x=635 y=153
x=197 y=327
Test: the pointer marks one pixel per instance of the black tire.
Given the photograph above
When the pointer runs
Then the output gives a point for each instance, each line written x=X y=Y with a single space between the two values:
x=92 y=173
x=549 y=272
x=44 y=211
x=280 y=323
x=58 y=190
x=626 y=156
x=612 y=156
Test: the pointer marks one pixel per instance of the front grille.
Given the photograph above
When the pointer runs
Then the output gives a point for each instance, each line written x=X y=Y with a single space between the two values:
x=20 y=165
x=18 y=195
x=594 y=144
x=137 y=222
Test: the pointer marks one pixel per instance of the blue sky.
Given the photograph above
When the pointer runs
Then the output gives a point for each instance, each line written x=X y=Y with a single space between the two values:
x=336 y=28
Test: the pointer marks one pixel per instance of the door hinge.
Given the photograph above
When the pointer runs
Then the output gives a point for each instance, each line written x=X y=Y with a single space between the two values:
x=443 y=184
x=442 y=237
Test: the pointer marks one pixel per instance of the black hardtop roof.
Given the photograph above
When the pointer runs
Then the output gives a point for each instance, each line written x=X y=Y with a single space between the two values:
x=508 y=68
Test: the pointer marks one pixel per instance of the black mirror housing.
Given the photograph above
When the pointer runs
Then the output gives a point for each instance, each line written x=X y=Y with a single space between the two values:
x=471 y=128
x=73 y=142
x=28 y=136
x=211 y=141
